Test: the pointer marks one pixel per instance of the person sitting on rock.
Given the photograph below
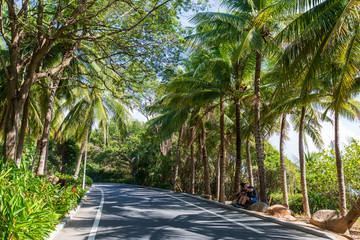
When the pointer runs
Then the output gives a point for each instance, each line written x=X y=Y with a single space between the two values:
x=238 y=195
x=250 y=197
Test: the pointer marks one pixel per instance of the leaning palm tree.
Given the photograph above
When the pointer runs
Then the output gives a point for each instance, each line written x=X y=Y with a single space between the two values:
x=94 y=106
x=203 y=85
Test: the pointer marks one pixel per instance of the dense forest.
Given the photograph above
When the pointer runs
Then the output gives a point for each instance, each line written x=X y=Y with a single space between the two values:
x=73 y=72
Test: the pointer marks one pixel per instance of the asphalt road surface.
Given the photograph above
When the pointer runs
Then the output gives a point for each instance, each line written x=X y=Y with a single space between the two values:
x=119 y=211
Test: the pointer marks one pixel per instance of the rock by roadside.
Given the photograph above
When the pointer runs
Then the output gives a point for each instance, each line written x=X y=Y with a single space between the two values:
x=303 y=221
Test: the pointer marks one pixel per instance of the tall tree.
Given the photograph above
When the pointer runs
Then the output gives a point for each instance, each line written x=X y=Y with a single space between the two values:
x=282 y=162
x=94 y=106
x=30 y=31
x=311 y=38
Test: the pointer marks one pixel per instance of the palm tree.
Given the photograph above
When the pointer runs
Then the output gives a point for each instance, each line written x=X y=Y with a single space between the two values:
x=339 y=89
x=249 y=22
x=282 y=161
x=94 y=106
x=311 y=40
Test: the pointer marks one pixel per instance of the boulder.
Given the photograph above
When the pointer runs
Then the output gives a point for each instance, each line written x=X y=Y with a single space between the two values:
x=259 y=207
x=330 y=220
x=53 y=179
x=206 y=196
x=280 y=211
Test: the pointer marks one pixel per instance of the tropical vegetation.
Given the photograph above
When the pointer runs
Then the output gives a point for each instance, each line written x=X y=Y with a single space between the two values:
x=73 y=72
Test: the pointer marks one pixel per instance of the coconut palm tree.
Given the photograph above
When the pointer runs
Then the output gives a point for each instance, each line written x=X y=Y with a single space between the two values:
x=339 y=89
x=95 y=106
x=249 y=24
x=311 y=38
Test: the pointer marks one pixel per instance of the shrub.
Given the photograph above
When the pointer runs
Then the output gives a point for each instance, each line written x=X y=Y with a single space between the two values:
x=30 y=207
x=295 y=201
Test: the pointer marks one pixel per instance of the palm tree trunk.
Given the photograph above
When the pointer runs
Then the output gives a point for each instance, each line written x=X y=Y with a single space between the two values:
x=22 y=134
x=63 y=167
x=259 y=151
x=282 y=162
x=176 y=170
x=238 y=147
x=206 y=162
x=302 y=164
x=222 y=152
x=193 y=172
x=35 y=155
x=248 y=163
x=217 y=196
x=199 y=151
x=339 y=168
x=45 y=136
x=77 y=169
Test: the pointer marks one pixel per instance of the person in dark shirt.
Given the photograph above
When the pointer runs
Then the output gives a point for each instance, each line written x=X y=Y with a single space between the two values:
x=238 y=195
x=250 y=197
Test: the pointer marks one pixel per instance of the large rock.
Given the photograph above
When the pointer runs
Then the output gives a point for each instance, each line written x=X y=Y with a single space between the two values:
x=259 y=207
x=331 y=220
x=280 y=211
x=53 y=179
x=206 y=196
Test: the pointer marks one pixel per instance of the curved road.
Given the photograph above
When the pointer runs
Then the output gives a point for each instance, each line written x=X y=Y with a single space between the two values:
x=131 y=212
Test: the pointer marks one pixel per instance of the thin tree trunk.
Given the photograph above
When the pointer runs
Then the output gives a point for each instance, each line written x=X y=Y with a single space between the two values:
x=302 y=164
x=238 y=147
x=77 y=169
x=199 y=151
x=259 y=151
x=248 y=163
x=222 y=152
x=63 y=168
x=176 y=170
x=206 y=162
x=193 y=171
x=22 y=134
x=44 y=138
x=217 y=197
x=35 y=155
x=339 y=168
x=282 y=162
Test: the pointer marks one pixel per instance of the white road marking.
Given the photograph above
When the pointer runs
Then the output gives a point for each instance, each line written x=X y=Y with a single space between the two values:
x=95 y=226
x=218 y=215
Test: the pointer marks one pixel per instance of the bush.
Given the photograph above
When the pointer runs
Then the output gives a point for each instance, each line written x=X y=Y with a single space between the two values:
x=70 y=181
x=30 y=207
x=295 y=201
x=88 y=181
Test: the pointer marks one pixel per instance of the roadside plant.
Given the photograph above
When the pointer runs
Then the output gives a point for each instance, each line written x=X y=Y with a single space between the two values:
x=30 y=206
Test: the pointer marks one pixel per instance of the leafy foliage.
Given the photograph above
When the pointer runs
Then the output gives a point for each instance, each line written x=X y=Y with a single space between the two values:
x=322 y=169
x=30 y=206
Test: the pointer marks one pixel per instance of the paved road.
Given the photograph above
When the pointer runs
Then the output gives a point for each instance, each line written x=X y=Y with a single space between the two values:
x=130 y=212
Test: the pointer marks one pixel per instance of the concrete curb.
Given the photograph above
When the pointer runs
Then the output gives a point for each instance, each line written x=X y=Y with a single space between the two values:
x=67 y=219
x=267 y=218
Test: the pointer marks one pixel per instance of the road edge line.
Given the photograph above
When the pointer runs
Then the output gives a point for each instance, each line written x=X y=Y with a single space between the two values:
x=95 y=225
